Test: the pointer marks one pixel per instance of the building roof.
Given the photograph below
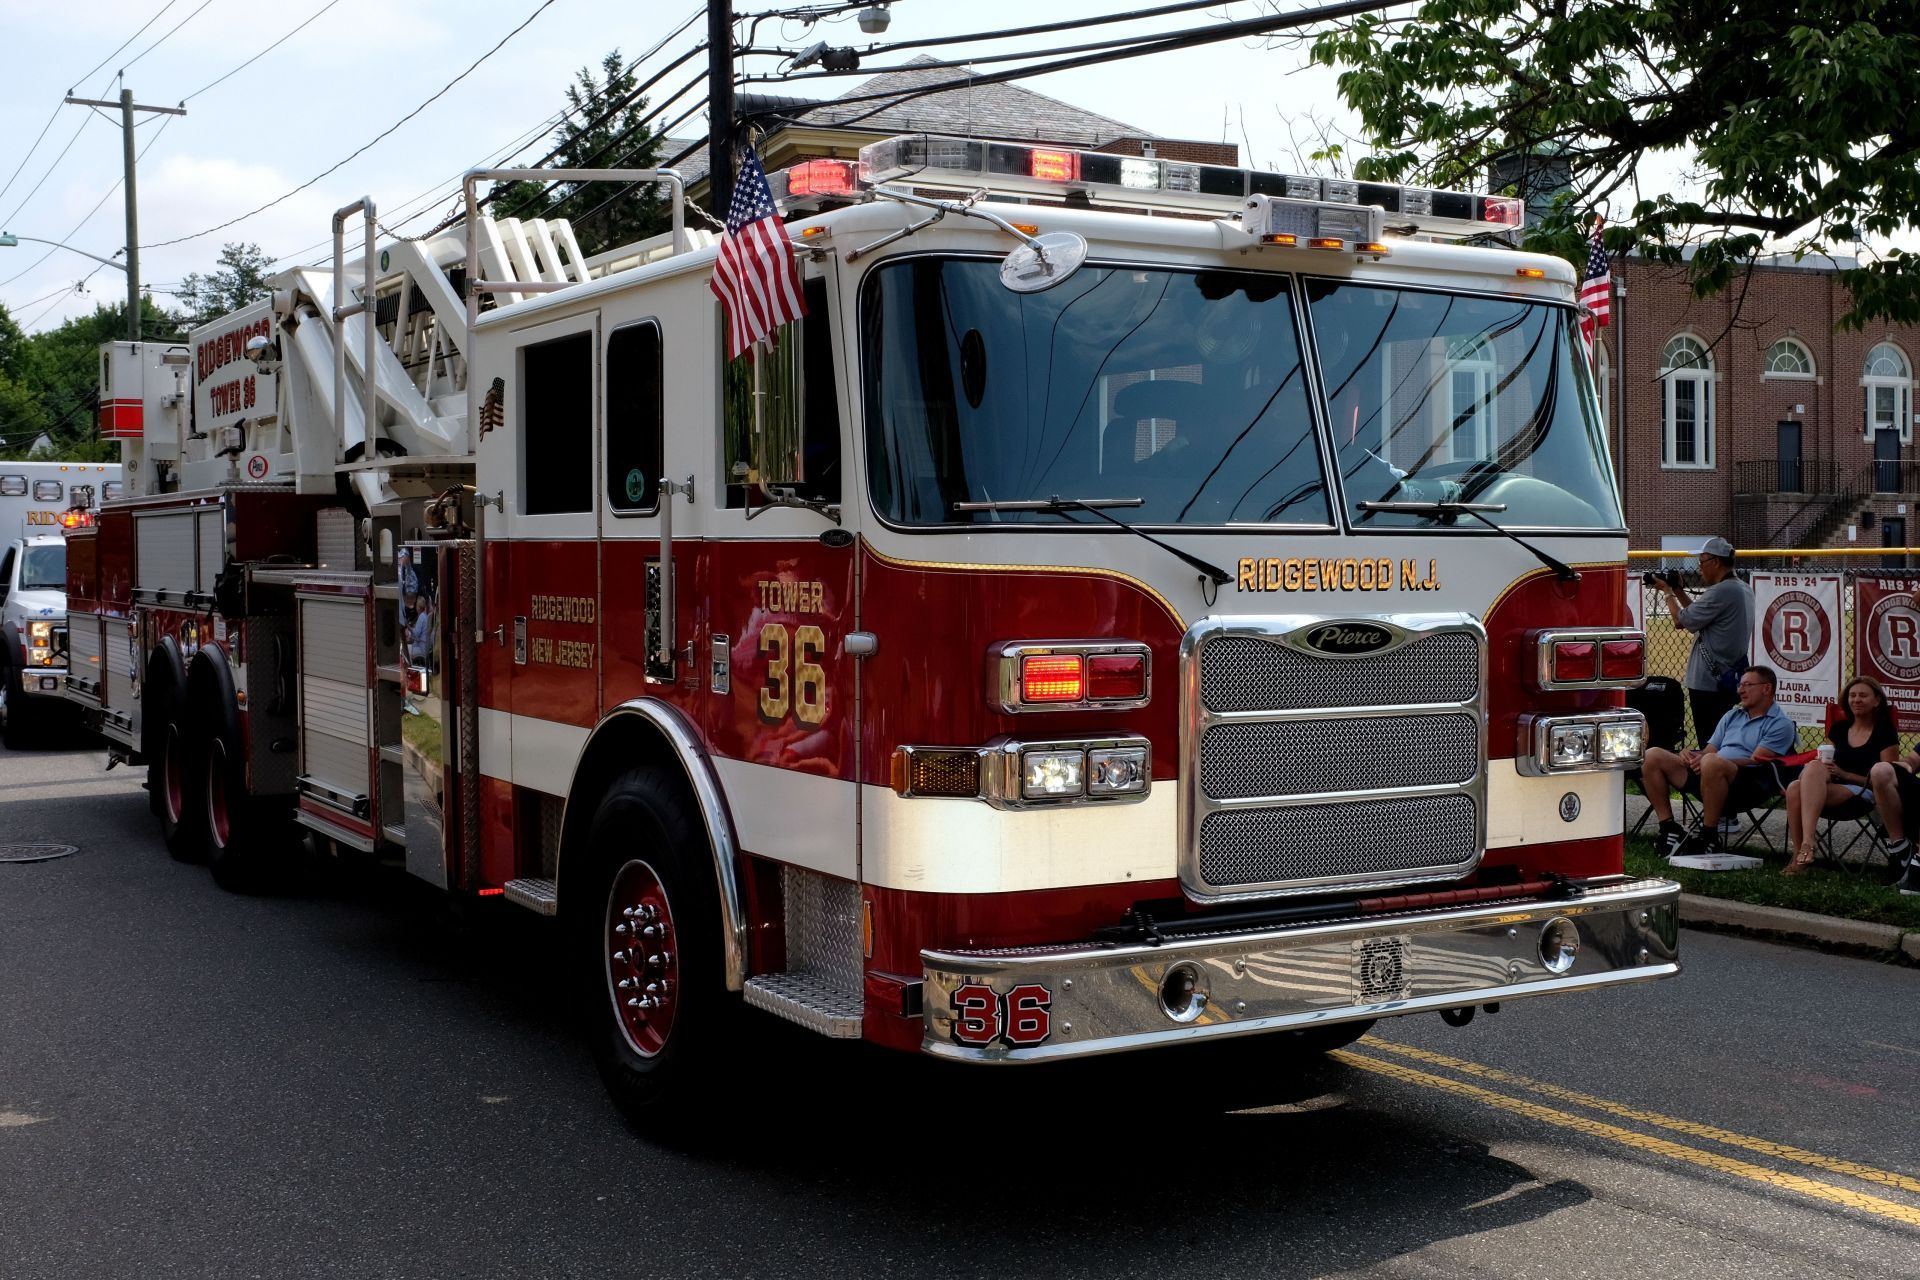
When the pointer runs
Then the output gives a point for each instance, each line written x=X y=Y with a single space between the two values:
x=1010 y=112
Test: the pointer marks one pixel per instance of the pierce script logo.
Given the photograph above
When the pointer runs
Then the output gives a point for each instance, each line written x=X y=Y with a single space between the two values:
x=1347 y=638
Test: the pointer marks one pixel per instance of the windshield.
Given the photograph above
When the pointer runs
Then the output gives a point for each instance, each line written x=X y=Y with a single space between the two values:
x=1437 y=397
x=44 y=567
x=1183 y=389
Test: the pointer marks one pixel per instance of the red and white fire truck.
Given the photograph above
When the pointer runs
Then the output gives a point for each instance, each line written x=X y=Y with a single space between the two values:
x=1139 y=603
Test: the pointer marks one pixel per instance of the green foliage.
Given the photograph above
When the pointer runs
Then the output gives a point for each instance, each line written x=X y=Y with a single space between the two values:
x=604 y=214
x=240 y=277
x=1793 y=121
x=56 y=388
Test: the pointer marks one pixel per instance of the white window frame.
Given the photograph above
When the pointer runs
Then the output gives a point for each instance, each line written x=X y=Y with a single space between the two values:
x=1899 y=386
x=1477 y=364
x=1769 y=374
x=1701 y=378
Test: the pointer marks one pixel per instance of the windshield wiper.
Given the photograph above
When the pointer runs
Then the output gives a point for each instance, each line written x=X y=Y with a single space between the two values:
x=1097 y=506
x=1565 y=572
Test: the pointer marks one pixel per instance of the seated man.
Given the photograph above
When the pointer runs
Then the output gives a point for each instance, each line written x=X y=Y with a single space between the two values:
x=1753 y=733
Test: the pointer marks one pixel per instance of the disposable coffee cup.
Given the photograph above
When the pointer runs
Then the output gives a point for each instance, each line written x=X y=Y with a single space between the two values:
x=1825 y=752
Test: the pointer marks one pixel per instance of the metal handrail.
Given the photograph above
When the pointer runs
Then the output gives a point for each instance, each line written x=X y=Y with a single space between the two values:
x=476 y=286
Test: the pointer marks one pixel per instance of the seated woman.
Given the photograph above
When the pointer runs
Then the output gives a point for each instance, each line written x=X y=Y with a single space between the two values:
x=1866 y=738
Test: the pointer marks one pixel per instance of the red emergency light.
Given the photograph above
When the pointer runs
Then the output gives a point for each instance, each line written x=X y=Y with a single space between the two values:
x=1602 y=658
x=1053 y=677
x=76 y=519
x=824 y=178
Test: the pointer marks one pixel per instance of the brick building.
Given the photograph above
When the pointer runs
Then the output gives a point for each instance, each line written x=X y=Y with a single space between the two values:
x=1749 y=415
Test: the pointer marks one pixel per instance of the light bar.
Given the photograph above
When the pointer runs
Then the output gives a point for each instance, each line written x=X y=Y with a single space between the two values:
x=928 y=160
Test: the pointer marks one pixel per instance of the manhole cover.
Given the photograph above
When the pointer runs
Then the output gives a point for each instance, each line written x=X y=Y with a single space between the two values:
x=35 y=852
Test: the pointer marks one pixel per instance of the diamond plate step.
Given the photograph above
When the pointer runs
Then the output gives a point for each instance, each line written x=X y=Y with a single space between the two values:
x=809 y=1000
x=542 y=896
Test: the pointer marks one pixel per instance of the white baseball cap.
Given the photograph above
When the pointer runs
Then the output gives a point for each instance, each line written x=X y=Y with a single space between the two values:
x=1719 y=548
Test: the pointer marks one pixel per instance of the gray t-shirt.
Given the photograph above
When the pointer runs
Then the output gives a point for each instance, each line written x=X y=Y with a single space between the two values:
x=1721 y=619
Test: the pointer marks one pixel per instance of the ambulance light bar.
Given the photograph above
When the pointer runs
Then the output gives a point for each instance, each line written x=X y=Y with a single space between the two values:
x=1145 y=181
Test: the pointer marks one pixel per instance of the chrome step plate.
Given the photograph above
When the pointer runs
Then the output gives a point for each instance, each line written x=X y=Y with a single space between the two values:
x=808 y=1000
x=540 y=896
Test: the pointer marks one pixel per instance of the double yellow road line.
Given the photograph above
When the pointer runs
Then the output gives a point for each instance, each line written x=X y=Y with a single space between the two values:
x=1863 y=1201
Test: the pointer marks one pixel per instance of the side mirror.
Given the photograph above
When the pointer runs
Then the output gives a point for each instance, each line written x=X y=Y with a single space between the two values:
x=1043 y=262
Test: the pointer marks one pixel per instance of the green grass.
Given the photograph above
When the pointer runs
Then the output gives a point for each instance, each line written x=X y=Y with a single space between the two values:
x=423 y=732
x=1850 y=895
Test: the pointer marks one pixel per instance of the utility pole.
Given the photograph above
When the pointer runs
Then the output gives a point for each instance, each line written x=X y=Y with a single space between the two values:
x=720 y=107
x=127 y=107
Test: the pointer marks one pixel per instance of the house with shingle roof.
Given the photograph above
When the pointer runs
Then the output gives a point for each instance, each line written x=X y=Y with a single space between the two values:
x=793 y=129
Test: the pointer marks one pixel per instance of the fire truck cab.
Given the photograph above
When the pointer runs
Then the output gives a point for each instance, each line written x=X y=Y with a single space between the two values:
x=1137 y=603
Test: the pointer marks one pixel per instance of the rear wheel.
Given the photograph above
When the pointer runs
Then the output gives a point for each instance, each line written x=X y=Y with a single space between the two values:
x=173 y=773
x=646 y=953
x=247 y=837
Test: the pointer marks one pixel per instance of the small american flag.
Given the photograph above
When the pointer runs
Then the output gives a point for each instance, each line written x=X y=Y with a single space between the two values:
x=1596 y=286
x=755 y=277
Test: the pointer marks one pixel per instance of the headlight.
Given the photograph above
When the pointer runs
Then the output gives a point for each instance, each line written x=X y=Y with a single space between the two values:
x=1622 y=742
x=1113 y=771
x=1044 y=774
x=1585 y=743
x=42 y=633
x=1570 y=745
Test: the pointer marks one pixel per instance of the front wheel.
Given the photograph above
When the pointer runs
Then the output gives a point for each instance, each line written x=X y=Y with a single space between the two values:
x=646 y=953
x=14 y=730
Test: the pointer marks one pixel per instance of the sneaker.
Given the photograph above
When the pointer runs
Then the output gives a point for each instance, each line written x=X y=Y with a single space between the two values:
x=1909 y=881
x=1696 y=844
x=1669 y=839
x=1897 y=851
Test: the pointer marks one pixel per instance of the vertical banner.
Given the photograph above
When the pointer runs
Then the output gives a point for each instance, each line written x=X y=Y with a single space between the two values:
x=1887 y=642
x=1797 y=633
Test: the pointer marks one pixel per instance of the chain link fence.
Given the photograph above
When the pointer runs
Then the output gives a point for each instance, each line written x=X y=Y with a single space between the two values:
x=1668 y=646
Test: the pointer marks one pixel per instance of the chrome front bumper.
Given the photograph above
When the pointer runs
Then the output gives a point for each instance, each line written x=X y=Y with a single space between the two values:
x=1042 y=1003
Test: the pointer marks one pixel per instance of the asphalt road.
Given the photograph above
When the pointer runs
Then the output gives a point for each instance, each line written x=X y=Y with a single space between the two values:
x=345 y=1079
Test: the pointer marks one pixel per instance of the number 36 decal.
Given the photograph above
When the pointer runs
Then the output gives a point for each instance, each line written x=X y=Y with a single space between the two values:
x=1021 y=1017
x=795 y=679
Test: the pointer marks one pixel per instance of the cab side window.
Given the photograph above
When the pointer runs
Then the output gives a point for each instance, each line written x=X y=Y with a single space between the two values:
x=782 y=412
x=556 y=424
x=635 y=419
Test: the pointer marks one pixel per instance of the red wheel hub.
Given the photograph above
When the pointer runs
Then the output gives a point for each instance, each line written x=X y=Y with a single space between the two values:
x=643 y=963
x=219 y=820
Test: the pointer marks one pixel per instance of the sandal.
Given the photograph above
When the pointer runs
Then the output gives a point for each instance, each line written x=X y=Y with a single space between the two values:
x=1802 y=861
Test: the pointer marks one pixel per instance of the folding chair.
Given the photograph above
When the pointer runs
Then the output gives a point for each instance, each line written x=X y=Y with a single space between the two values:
x=1664 y=703
x=1841 y=830
x=1757 y=792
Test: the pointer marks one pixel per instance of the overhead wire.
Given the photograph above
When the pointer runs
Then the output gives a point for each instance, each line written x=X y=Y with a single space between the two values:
x=96 y=208
x=124 y=43
x=541 y=8
x=315 y=16
x=163 y=39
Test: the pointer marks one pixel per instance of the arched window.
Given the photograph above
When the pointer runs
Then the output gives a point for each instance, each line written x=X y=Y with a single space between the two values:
x=1686 y=379
x=1888 y=383
x=1788 y=358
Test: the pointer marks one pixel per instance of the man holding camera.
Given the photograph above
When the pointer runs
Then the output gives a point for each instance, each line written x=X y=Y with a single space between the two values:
x=1721 y=620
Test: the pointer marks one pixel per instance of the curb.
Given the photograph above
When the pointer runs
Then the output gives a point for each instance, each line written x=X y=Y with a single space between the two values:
x=1800 y=926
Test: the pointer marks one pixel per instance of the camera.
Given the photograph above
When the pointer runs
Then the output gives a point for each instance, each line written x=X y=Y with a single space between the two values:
x=1669 y=576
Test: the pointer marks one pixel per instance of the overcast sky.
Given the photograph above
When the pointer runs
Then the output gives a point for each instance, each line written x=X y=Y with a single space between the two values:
x=365 y=64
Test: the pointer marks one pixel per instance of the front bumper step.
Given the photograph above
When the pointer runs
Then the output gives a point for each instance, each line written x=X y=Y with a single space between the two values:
x=1040 y=1003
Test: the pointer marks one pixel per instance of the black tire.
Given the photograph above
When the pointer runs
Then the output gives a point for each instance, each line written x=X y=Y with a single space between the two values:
x=173 y=768
x=646 y=848
x=16 y=729
x=249 y=838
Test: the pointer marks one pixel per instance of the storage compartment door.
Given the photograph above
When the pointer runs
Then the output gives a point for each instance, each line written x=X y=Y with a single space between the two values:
x=336 y=690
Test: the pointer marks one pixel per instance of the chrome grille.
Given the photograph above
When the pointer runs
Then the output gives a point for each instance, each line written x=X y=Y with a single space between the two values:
x=1248 y=673
x=1302 y=757
x=1305 y=771
x=1241 y=847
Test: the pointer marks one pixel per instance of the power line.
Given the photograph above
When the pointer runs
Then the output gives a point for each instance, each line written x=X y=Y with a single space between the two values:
x=314 y=17
x=85 y=120
x=1191 y=38
x=168 y=36
x=30 y=150
x=124 y=43
x=96 y=208
x=540 y=9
